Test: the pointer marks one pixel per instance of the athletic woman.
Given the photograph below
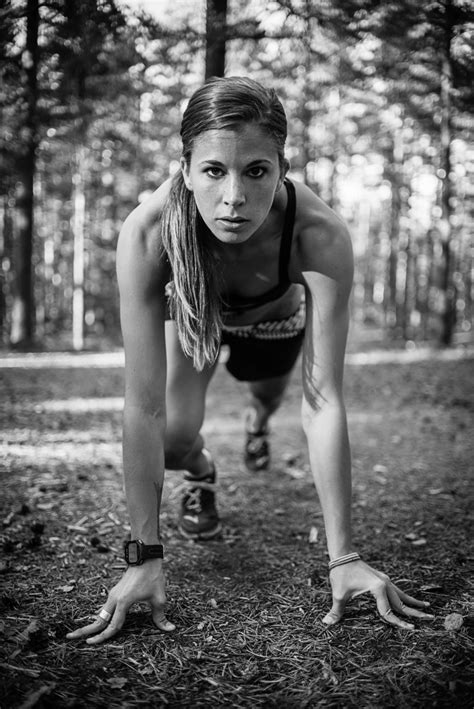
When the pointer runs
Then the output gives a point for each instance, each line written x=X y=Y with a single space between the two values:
x=231 y=251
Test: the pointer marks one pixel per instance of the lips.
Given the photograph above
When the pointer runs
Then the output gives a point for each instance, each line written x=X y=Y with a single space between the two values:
x=233 y=220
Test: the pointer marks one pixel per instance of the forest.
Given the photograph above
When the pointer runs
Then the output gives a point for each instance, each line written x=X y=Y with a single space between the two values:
x=379 y=97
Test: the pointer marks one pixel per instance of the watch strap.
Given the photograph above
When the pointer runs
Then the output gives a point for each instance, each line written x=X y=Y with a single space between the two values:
x=152 y=551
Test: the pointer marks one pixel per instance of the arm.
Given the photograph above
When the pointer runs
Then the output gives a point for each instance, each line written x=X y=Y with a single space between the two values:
x=141 y=277
x=326 y=270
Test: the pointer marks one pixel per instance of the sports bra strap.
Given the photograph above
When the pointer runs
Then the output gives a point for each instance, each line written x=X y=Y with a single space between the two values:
x=287 y=235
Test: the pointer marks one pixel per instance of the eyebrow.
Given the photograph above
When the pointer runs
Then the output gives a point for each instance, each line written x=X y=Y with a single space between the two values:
x=259 y=161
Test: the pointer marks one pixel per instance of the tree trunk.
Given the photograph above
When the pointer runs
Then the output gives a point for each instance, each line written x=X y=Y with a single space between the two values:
x=396 y=179
x=22 y=326
x=78 y=224
x=449 y=293
x=216 y=30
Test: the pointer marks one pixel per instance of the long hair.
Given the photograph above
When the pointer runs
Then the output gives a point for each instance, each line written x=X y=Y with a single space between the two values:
x=220 y=104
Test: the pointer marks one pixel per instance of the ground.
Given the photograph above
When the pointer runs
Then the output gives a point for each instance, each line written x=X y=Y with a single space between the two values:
x=248 y=607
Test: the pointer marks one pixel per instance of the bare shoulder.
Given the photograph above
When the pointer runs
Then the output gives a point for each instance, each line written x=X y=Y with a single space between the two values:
x=140 y=257
x=322 y=240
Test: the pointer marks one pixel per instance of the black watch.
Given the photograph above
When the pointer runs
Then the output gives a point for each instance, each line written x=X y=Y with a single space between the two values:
x=136 y=552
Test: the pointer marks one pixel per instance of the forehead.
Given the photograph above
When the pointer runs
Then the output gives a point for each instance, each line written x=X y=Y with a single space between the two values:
x=247 y=143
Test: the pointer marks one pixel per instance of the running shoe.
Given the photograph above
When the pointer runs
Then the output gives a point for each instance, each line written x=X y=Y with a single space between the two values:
x=198 y=517
x=257 y=451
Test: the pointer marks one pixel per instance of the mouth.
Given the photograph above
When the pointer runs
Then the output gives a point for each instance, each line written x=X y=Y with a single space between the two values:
x=233 y=220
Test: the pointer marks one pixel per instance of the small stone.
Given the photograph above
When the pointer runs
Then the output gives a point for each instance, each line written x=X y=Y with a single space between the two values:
x=453 y=621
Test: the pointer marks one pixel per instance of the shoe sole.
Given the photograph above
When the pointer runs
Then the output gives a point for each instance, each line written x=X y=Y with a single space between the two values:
x=254 y=467
x=202 y=536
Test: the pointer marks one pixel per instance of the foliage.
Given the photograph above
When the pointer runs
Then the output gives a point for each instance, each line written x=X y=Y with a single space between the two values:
x=360 y=80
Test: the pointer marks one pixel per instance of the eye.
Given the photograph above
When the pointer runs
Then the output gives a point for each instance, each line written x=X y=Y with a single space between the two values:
x=257 y=171
x=214 y=171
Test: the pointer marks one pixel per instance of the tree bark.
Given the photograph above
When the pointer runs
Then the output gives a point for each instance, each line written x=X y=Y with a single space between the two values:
x=22 y=325
x=216 y=30
x=78 y=225
x=448 y=288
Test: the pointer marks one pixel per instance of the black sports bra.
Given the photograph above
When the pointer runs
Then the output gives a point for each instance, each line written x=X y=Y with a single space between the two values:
x=237 y=305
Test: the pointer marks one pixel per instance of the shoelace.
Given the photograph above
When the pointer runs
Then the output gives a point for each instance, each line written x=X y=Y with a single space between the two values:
x=194 y=493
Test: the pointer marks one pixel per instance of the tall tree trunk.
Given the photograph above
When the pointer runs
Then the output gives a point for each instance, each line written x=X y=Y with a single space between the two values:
x=78 y=225
x=216 y=30
x=449 y=291
x=396 y=180
x=22 y=326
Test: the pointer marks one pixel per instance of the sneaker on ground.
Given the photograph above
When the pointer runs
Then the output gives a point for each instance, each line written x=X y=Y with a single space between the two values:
x=257 y=451
x=198 y=517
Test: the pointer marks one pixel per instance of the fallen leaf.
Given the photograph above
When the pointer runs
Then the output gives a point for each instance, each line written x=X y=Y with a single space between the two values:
x=453 y=621
x=419 y=542
x=117 y=682
x=382 y=469
x=65 y=589
x=313 y=535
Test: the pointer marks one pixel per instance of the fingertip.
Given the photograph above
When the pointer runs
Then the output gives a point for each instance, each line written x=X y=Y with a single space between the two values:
x=165 y=625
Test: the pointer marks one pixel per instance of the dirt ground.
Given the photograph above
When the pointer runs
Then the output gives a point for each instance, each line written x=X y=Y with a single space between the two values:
x=248 y=607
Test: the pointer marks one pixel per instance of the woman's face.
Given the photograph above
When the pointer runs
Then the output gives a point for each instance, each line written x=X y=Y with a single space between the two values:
x=233 y=175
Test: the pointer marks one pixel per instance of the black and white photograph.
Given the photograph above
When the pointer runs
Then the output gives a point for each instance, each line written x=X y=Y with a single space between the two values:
x=236 y=354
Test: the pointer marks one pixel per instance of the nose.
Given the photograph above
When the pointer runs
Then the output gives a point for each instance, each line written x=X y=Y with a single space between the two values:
x=234 y=194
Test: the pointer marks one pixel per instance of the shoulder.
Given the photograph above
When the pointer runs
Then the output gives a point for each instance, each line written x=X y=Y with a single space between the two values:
x=322 y=239
x=140 y=254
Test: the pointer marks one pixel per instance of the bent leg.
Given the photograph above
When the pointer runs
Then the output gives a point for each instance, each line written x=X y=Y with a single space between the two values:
x=265 y=397
x=185 y=406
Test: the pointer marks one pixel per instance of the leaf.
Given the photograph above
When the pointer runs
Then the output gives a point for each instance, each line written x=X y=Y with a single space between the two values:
x=65 y=589
x=453 y=621
x=313 y=535
x=117 y=682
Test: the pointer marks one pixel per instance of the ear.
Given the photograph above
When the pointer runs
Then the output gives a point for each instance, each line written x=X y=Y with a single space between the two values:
x=283 y=171
x=185 y=172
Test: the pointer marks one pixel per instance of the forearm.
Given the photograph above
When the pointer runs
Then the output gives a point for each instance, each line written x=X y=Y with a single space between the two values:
x=329 y=454
x=143 y=463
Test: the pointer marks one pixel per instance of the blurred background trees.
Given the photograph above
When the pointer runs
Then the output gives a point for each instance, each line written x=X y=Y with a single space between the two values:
x=379 y=98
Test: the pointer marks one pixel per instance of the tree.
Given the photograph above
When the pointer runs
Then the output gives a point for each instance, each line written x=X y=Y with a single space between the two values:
x=22 y=329
x=216 y=35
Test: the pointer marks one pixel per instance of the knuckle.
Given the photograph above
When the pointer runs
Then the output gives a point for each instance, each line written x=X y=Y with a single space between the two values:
x=378 y=586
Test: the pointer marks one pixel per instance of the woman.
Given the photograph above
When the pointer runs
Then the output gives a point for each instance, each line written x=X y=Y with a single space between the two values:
x=222 y=253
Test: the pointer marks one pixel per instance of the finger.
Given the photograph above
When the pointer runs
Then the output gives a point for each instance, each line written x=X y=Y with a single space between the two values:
x=160 y=619
x=400 y=607
x=386 y=612
x=118 y=619
x=95 y=627
x=336 y=612
x=410 y=600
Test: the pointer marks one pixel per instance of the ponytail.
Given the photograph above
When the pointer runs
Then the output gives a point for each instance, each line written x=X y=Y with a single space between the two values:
x=194 y=299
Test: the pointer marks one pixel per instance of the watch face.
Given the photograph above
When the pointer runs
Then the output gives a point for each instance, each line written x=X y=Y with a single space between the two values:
x=132 y=552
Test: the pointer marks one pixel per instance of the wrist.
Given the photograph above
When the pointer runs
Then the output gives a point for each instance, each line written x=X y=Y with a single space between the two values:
x=136 y=552
x=343 y=560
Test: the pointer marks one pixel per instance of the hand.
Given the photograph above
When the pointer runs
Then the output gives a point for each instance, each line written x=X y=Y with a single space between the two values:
x=139 y=583
x=351 y=580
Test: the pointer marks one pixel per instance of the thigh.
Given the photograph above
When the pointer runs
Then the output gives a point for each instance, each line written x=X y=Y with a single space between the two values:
x=271 y=388
x=185 y=387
